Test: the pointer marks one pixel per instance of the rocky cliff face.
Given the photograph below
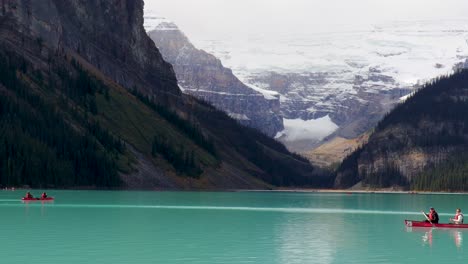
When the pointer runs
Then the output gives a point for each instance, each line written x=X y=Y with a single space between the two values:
x=202 y=75
x=95 y=30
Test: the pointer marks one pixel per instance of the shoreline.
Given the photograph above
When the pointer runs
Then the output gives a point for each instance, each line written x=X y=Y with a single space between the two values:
x=285 y=190
x=346 y=191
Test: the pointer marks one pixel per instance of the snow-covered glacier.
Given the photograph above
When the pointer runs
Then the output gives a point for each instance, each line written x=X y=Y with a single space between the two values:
x=408 y=51
x=354 y=76
x=349 y=78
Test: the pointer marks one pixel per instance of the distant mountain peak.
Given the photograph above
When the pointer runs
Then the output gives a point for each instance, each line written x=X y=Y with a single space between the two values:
x=203 y=75
x=159 y=23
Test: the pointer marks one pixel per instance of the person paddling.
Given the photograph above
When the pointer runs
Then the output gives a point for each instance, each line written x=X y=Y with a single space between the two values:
x=458 y=218
x=432 y=216
x=29 y=195
x=43 y=195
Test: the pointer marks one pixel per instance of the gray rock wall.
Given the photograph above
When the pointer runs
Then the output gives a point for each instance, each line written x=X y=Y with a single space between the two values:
x=90 y=29
x=203 y=76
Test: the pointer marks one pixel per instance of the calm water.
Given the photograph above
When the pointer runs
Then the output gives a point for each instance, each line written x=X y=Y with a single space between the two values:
x=247 y=227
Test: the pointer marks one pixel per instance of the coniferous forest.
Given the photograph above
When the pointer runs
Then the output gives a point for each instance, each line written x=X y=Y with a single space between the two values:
x=54 y=133
x=40 y=147
x=56 y=142
x=434 y=122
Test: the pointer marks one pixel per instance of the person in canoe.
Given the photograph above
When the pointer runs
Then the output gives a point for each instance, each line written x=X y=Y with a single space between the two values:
x=28 y=196
x=44 y=195
x=458 y=218
x=432 y=216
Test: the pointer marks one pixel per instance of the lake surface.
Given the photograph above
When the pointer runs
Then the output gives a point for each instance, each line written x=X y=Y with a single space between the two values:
x=231 y=227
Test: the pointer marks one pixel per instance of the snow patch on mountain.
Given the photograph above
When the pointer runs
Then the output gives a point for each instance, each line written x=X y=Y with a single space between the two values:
x=268 y=94
x=404 y=98
x=314 y=130
x=238 y=116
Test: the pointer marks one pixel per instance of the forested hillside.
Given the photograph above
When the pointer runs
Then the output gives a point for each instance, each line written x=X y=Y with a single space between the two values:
x=422 y=144
x=88 y=102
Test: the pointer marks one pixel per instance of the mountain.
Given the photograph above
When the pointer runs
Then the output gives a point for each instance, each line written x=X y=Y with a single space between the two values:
x=87 y=101
x=422 y=144
x=203 y=76
x=338 y=83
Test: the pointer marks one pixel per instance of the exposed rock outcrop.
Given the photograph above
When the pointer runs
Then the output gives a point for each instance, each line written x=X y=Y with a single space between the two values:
x=202 y=75
x=107 y=33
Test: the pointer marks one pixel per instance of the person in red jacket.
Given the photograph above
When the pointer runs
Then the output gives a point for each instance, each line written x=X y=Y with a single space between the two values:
x=28 y=195
x=43 y=195
x=433 y=216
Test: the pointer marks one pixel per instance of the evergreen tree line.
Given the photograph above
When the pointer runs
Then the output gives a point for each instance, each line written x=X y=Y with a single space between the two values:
x=192 y=131
x=40 y=146
x=450 y=176
x=181 y=158
x=348 y=170
x=278 y=171
x=386 y=177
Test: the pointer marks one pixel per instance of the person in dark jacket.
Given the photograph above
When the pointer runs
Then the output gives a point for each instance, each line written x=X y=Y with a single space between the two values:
x=432 y=216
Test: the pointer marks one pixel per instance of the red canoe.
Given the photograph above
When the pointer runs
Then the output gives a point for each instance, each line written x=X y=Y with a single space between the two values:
x=412 y=223
x=38 y=199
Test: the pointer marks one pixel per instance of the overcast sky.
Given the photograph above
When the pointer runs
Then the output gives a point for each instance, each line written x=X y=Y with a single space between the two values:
x=202 y=19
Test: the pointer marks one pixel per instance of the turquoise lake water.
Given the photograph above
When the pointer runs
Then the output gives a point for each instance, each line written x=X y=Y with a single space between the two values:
x=226 y=227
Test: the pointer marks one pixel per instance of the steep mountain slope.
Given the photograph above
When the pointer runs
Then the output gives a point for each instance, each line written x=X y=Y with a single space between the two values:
x=422 y=144
x=202 y=75
x=83 y=106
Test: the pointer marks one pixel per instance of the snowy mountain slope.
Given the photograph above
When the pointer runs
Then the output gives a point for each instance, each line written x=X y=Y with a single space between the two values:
x=354 y=75
x=408 y=51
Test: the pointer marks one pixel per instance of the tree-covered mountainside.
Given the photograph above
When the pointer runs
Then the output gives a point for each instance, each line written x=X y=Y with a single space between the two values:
x=40 y=147
x=422 y=144
x=87 y=101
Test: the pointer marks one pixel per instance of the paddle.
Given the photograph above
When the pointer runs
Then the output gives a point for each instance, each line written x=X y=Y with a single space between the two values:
x=426 y=217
